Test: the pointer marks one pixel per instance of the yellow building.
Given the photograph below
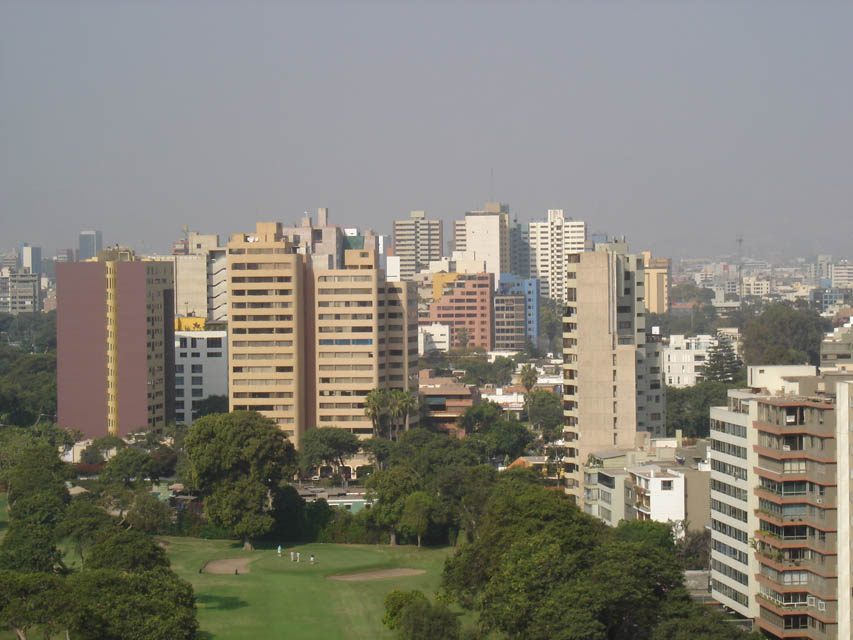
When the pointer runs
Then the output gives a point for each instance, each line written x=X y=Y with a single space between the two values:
x=658 y=273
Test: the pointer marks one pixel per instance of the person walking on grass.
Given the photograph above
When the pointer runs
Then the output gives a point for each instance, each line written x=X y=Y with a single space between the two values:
x=291 y=556
x=297 y=557
x=312 y=558
x=279 y=551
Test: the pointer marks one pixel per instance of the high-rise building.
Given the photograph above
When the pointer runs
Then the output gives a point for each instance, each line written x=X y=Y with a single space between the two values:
x=201 y=287
x=323 y=238
x=417 y=241
x=20 y=291
x=31 y=259
x=266 y=329
x=307 y=340
x=115 y=344
x=510 y=326
x=519 y=249
x=465 y=302
x=613 y=381
x=512 y=285
x=201 y=369
x=363 y=335
x=780 y=502
x=487 y=237
x=658 y=272
x=90 y=244
x=551 y=244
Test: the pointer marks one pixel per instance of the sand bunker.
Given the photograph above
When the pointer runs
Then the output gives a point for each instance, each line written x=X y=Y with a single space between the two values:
x=375 y=575
x=228 y=565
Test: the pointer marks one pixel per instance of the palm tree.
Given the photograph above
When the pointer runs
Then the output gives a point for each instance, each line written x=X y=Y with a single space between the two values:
x=529 y=376
x=408 y=405
x=395 y=407
x=375 y=408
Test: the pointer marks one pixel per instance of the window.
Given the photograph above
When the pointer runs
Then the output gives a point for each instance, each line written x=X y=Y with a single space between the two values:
x=179 y=368
x=666 y=485
x=197 y=393
x=196 y=368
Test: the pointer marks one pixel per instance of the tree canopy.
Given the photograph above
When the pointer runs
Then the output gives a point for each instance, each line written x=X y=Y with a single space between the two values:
x=781 y=334
x=238 y=460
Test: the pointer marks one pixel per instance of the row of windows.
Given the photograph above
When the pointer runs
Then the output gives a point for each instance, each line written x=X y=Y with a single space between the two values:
x=729 y=428
x=729 y=592
x=726 y=570
x=730 y=531
x=729 y=490
x=731 y=552
x=729 y=510
x=728 y=469
x=729 y=449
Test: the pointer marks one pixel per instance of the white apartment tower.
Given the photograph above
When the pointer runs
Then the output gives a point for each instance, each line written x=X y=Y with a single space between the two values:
x=551 y=243
x=417 y=241
x=485 y=235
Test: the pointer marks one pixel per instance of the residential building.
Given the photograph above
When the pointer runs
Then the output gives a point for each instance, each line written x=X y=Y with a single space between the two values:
x=90 y=245
x=658 y=274
x=20 y=291
x=779 y=491
x=266 y=331
x=519 y=249
x=510 y=323
x=657 y=494
x=446 y=400
x=836 y=349
x=465 y=302
x=417 y=241
x=755 y=287
x=685 y=358
x=323 y=238
x=620 y=390
x=115 y=344
x=487 y=237
x=842 y=275
x=513 y=285
x=201 y=369
x=31 y=259
x=433 y=337
x=366 y=337
x=553 y=243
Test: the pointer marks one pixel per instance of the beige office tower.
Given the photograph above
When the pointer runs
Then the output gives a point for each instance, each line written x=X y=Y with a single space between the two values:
x=613 y=383
x=417 y=241
x=658 y=273
x=487 y=237
x=551 y=244
x=366 y=338
x=266 y=332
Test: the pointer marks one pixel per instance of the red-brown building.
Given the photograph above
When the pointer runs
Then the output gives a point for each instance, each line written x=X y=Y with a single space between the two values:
x=466 y=303
x=115 y=344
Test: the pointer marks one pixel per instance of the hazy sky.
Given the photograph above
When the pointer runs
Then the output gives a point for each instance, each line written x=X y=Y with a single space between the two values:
x=678 y=124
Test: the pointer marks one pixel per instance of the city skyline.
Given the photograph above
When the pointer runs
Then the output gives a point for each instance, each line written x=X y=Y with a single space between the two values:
x=681 y=127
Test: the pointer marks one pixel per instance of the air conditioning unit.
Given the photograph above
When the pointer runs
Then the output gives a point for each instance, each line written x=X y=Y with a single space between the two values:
x=819 y=500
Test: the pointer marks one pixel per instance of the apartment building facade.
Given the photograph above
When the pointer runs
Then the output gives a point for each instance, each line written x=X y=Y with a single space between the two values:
x=613 y=381
x=201 y=370
x=780 y=502
x=685 y=358
x=487 y=237
x=510 y=323
x=466 y=304
x=551 y=243
x=115 y=344
x=417 y=241
x=658 y=274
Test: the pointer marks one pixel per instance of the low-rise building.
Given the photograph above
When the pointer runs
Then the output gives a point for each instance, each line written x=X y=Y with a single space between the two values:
x=836 y=349
x=446 y=400
x=433 y=337
x=685 y=358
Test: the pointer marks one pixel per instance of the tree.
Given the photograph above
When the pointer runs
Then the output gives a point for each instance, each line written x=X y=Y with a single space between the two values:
x=127 y=551
x=417 y=510
x=722 y=364
x=423 y=620
x=390 y=489
x=529 y=376
x=478 y=417
x=148 y=514
x=378 y=450
x=694 y=549
x=376 y=408
x=505 y=438
x=547 y=406
x=689 y=292
x=395 y=602
x=129 y=466
x=783 y=335
x=328 y=445
x=550 y=322
x=688 y=409
x=84 y=523
x=38 y=509
x=30 y=601
x=655 y=534
x=463 y=337
x=91 y=455
x=29 y=548
x=154 y=605
x=701 y=624
x=238 y=460
x=37 y=469
x=210 y=404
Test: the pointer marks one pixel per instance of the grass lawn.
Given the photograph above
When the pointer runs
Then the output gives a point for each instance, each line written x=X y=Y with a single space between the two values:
x=281 y=599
